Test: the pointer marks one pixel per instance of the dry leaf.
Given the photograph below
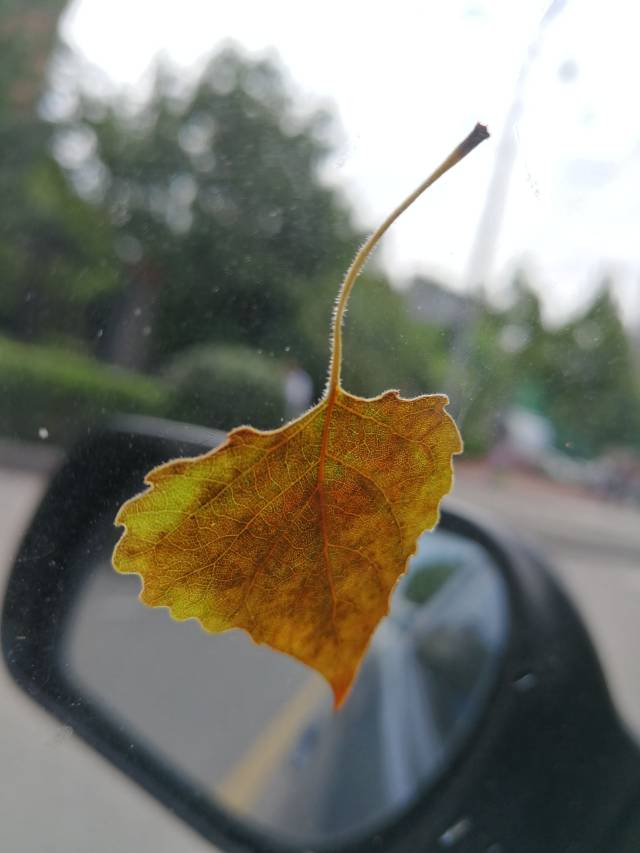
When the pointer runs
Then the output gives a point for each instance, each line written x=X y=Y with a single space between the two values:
x=299 y=535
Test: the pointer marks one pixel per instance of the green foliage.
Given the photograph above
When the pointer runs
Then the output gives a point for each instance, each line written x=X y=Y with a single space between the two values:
x=56 y=255
x=384 y=346
x=219 y=190
x=489 y=382
x=591 y=385
x=49 y=388
x=424 y=580
x=224 y=386
x=387 y=348
x=56 y=252
x=581 y=376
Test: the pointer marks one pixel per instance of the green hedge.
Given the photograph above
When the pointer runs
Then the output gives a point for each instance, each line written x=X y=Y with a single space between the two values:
x=225 y=386
x=46 y=387
x=49 y=388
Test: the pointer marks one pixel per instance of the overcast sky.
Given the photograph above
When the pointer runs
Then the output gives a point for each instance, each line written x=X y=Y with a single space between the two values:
x=408 y=80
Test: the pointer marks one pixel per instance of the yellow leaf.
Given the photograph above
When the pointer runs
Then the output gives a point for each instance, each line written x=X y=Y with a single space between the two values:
x=299 y=535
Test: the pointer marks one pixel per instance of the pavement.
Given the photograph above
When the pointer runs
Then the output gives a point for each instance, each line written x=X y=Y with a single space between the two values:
x=54 y=788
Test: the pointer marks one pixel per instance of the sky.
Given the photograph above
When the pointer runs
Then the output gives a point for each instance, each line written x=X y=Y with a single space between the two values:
x=407 y=80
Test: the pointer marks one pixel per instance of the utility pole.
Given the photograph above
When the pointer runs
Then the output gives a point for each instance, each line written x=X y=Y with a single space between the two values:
x=484 y=245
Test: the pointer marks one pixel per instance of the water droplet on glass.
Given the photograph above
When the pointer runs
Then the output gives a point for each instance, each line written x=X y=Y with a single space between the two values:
x=526 y=682
x=63 y=733
x=456 y=832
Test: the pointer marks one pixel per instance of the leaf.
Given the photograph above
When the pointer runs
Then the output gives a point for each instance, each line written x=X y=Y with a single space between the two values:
x=299 y=535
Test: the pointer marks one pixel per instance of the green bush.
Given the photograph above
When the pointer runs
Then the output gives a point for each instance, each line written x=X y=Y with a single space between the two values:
x=225 y=386
x=45 y=387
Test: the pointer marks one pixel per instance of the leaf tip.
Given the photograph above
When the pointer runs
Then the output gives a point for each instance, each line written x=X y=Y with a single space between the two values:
x=340 y=693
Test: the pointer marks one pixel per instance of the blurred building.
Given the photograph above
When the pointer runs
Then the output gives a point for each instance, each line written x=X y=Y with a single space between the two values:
x=437 y=305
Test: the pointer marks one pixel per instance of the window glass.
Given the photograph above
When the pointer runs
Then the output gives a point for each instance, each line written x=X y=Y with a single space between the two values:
x=182 y=186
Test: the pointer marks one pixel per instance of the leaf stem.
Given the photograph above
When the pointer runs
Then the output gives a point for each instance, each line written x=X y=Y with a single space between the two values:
x=477 y=135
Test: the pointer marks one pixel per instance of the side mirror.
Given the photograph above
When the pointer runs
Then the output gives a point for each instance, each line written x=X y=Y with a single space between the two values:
x=480 y=720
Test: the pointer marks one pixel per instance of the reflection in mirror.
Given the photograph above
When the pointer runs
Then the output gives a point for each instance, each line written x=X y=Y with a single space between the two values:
x=257 y=729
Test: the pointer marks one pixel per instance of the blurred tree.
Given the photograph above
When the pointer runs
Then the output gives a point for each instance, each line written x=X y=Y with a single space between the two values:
x=27 y=36
x=580 y=375
x=53 y=250
x=385 y=347
x=201 y=217
x=56 y=257
x=488 y=382
x=592 y=388
x=222 y=219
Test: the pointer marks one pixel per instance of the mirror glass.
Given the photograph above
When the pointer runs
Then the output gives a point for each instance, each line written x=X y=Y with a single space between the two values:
x=257 y=730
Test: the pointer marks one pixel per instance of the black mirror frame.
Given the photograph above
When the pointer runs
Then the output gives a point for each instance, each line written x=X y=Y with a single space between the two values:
x=548 y=767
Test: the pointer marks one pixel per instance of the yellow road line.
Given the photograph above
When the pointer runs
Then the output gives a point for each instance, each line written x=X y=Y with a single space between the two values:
x=246 y=780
